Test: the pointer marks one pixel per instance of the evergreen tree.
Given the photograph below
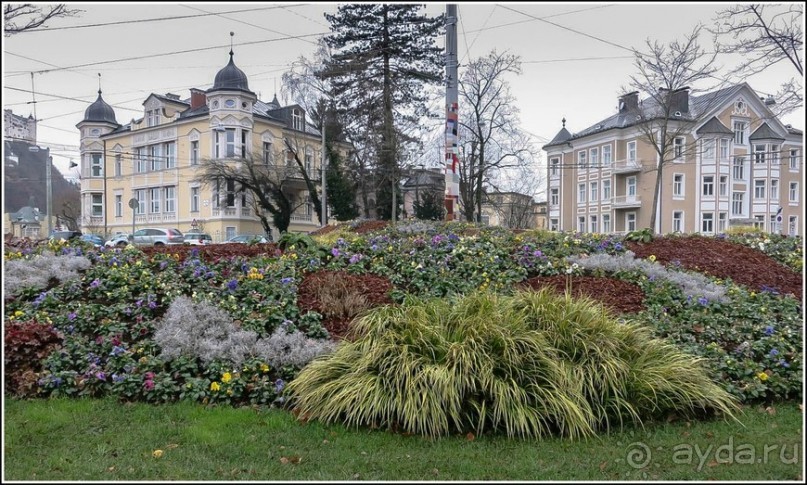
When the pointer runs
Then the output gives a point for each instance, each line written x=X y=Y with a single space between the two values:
x=341 y=192
x=385 y=56
x=430 y=206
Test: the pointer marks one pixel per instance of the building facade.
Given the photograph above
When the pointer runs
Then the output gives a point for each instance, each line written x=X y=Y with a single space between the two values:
x=146 y=173
x=18 y=127
x=733 y=163
x=513 y=210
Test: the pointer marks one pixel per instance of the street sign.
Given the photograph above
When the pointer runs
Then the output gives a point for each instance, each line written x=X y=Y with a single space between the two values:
x=779 y=218
x=132 y=203
x=194 y=223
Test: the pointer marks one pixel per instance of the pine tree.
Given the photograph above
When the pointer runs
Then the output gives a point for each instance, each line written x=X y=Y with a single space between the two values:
x=430 y=206
x=341 y=192
x=385 y=56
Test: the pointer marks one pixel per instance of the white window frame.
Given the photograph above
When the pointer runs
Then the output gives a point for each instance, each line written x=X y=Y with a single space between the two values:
x=582 y=160
x=724 y=149
x=581 y=193
x=554 y=167
x=630 y=187
x=738 y=168
x=297 y=119
x=606 y=190
x=723 y=186
x=679 y=148
x=793 y=195
x=630 y=221
x=631 y=150
x=593 y=223
x=268 y=156
x=606 y=223
x=97 y=205
x=759 y=154
x=722 y=222
x=708 y=186
x=794 y=160
x=708 y=147
x=96 y=164
x=581 y=224
x=737 y=203
x=118 y=205
x=606 y=156
x=774 y=152
x=739 y=132
x=793 y=225
x=141 y=162
x=195 y=152
x=708 y=222
x=194 y=199
x=554 y=196
x=155 y=155
x=140 y=195
x=118 y=164
x=760 y=187
x=594 y=196
x=170 y=197
x=679 y=187
x=553 y=224
x=170 y=151
x=759 y=222
x=155 y=202
x=678 y=221
x=774 y=191
x=594 y=157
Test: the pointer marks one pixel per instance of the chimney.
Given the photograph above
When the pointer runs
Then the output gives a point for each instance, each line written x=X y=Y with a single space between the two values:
x=629 y=102
x=198 y=98
x=172 y=96
x=770 y=101
x=680 y=100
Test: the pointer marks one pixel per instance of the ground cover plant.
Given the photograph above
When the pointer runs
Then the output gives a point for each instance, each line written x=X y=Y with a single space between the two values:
x=105 y=316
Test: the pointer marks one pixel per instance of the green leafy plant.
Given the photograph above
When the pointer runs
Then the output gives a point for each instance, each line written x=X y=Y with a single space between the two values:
x=528 y=365
x=642 y=235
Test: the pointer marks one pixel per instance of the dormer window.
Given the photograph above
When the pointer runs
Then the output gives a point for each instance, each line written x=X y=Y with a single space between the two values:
x=297 y=119
x=230 y=103
x=153 y=117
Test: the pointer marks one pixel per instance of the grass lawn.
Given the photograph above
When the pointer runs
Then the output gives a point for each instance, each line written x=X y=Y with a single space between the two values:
x=104 y=440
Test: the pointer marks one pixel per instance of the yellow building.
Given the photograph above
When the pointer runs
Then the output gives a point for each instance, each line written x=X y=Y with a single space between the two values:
x=734 y=163
x=145 y=173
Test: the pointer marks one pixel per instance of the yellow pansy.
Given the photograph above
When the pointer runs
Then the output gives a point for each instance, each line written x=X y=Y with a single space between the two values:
x=214 y=386
x=226 y=377
x=762 y=376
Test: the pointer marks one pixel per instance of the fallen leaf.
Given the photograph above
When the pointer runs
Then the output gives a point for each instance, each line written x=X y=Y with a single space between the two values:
x=470 y=436
x=712 y=463
x=770 y=410
x=325 y=442
x=157 y=453
x=295 y=460
x=603 y=466
x=172 y=446
x=435 y=471
x=363 y=452
x=112 y=468
x=709 y=434
x=284 y=460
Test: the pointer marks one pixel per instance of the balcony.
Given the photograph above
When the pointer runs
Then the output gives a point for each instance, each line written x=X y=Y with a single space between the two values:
x=156 y=218
x=627 y=166
x=300 y=218
x=626 y=202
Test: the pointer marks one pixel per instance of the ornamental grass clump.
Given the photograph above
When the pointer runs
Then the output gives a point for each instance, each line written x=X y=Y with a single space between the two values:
x=36 y=271
x=528 y=365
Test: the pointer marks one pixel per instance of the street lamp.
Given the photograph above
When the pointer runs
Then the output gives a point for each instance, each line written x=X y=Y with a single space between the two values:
x=480 y=125
x=48 y=187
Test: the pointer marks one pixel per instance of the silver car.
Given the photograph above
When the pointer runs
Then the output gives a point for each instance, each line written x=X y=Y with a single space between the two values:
x=156 y=236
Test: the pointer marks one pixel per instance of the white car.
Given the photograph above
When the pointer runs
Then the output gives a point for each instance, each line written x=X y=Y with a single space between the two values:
x=118 y=240
x=198 y=239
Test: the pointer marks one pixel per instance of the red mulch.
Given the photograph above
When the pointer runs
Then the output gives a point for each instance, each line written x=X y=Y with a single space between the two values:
x=617 y=295
x=215 y=252
x=369 y=226
x=324 y=230
x=723 y=259
x=376 y=290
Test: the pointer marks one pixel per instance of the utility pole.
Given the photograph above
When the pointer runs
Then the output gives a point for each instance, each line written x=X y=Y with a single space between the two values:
x=394 y=202
x=452 y=115
x=49 y=202
x=324 y=209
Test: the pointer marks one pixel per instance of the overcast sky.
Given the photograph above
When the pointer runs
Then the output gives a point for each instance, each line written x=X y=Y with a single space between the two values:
x=573 y=69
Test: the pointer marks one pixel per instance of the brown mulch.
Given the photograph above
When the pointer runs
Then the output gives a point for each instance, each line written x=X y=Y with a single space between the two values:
x=215 y=252
x=617 y=295
x=722 y=259
x=369 y=226
x=375 y=289
x=324 y=230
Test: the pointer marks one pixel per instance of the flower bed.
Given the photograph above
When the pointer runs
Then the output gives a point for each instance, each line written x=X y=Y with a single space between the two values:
x=617 y=295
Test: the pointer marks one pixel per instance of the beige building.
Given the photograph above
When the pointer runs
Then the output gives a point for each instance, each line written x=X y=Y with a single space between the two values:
x=513 y=210
x=735 y=164
x=153 y=162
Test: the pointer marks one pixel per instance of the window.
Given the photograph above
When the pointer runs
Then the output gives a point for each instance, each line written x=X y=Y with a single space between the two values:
x=194 y=199
x=724 y=186
x=708 y=149
x=153 y=117
x=774 y=155
x=229 y=232
x=606 y=223
x=595 y=157
x=225 y=143
x=581 y=224
x=759 y=222
x=678 y=221
x=792 y=225
x=95 y=164
x=737 y=203
x=118 y=165
x=553 y=224
x=631 y=187
x=309 y=160
x=308 y=206
x=244 y=143
x=169 y=150
x=739 y=132
x=606 y=155
x=678 y=185
x=773 y=223
x=759 y=153
x=230 y=103
x=794 y=159
x=97 y=204
x=606 y=190
x=721 y=222
x=118 y=206
x=708 y=222
x=154 y=197
x=724 y=149
x=155 y=153
x=630 y=221
x=581 y=159
x=195 y=152
x=759 y=189
x=708 y=185
x=593 y=223
x=794 y=191
x=217 y=194
x=140 y=195
x=170 y=199
x=595 y=195
x=739 y=168
x=140 y=160
x=678 y=147
x=632 y=152
x=230 y=193
x=230 y=140
x=554 y=167
x=774 y=189
x=267 y=153
x=554 y=197
x=297 y=119
x=581 y=193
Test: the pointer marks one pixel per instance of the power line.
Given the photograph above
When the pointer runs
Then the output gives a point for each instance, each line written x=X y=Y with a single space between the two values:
x=65 y=97
x=243 y=22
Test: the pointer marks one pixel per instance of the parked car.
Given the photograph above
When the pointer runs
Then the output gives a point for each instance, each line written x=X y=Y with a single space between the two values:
x=119 y=240
x=66 y=235
x=198 y=239
x=95 y=239
x=156 y=236
x=250 y=239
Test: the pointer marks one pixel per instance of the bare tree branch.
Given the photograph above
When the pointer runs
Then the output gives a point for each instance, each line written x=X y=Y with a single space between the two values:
x=23 y=17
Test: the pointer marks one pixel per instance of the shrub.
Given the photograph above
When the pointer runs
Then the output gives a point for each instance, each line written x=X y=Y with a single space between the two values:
x=36 y=271
x=25 y=344
x=529 y=365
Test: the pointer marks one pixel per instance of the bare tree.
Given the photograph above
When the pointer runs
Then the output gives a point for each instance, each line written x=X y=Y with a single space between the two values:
x=666 y=74
x=520 y=187
x=490 y=126
x=764 y=35
x=23 y=17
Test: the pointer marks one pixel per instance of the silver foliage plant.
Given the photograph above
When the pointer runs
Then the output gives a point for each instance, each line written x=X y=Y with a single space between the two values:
x=206 y=331
x=692 y=284
x=35 y=272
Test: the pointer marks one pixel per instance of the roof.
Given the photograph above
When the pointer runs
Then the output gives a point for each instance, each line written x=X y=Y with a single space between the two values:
x=26 y=215
x=230 y=77
x=714 y=126
x=764 y=132
x=562 y=136
x=100 y=111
